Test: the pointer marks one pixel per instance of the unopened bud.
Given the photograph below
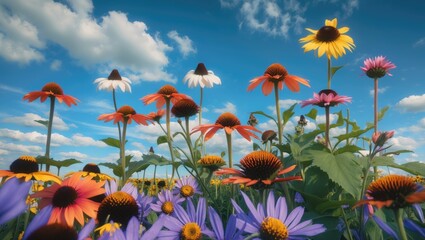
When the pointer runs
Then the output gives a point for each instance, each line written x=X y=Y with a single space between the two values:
x=380 y=138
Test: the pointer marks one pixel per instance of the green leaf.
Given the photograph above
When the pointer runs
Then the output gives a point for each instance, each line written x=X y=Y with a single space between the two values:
x=416 y=168
x=288 y=113
x=334 y=70
x=43 y=122
x=396 y=152
x=67 y=162
x=113 y=142
x=381 y=113
x=265 y=115
x=348 y=148
x=256 y=147
x=341 y=169
x=312 y=114
x=161 y=139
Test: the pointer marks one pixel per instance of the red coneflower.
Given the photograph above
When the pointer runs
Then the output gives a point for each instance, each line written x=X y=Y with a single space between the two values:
x=165 y=93
x=51 y=90
x=125 y=114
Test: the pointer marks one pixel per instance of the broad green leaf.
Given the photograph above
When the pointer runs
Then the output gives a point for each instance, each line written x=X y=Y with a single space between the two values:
x=382 y=112
x=283 y=148
x=113 y=142
x=155 y=159
x=256 y=147
x=317 y=182
x=44 y=160
x=340 y=168
x=136 y=167
x=339 y=122
x=397 y=152
x=312 y=114
x=383 y=161
x=288 y=113
x=265 y=115
x=348 y=148
x=334 y=70
x=329 y=205
x=67 y=162
x=352 y=134
x=416 y=168
x=161 y=139
x=43 y=122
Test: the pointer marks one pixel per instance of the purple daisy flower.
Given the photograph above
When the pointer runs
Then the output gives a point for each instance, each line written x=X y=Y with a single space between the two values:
x=13 y=195
x=187 y=187
x=132 y=231
x=231 y=231
x=145 y=203
x=274 y=222
x=166 y=202
x=188 y=224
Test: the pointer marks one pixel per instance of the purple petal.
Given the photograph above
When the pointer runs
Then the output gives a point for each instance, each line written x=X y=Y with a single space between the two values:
x=295 y=217
x=153 y=232
x=86 y=230
x=271 y=205
x=216 y=223
x=201 y=212
x=412 y=226
x=418 y=209
x=385 y=227
x=251 y=208
x=281 y=209
x=39 y=220
x=132 y=230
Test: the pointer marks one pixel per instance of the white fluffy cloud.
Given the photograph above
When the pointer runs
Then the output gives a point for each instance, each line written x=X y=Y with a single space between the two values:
x=29 y=120
x=413 y=103
x=111 y=41
x=284 y=104
x=184 y=43
x=380 y=91
x=56 y=65
x=228 y=107
x=401 y=142
x=6 y=147
x=75 y=155
x=420 y=42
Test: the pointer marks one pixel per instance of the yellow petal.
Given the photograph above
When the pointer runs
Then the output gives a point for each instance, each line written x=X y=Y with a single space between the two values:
x=343 y=30
x=322 y=49
x=312 y=30
x=331 y=23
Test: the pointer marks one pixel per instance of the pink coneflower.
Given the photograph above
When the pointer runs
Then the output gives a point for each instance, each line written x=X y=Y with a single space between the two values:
x=326 y=98
x=377 y=67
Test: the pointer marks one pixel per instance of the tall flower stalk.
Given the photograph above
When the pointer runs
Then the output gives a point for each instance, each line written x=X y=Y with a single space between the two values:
x=52 y=91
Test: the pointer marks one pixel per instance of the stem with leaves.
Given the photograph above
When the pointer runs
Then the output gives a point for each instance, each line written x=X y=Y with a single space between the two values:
x=122 y=151
x=169 y=138
x=49 y=130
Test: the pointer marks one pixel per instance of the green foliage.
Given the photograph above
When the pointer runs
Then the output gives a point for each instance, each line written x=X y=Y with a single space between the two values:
x=288 y=113
x=265 y=115
x=161 y=139
x=312 y=114
x=43 y=122
x=113 y=142
x=334 y=70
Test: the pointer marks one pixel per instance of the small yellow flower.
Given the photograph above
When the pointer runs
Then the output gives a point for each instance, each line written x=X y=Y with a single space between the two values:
x=215 y=182
x=108 y=227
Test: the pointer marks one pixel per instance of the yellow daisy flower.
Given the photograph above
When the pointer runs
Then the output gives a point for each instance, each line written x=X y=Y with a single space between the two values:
x=328 y=39
x=26 y=167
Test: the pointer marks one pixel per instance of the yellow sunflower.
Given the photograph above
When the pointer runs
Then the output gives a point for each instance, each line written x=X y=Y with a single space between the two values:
x=26 y=167
x=328 y=39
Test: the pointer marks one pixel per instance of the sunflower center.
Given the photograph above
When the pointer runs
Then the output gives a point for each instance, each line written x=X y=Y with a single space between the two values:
x=276 y=70
x=167 y=90
x=167 y=207
x=115 y=75
x=64 y=197
x=126 y=110
x=392 y=187
x=24 y=164
x=327 y=34
x=91 y=167
x=161 y=183
x=187 y=191
x=118 y=207
x=376 y=72
x=260 y=165
x=185 y=108
x=54 y=231
x=228 y=120
x=201 y=69
x=191 y=231
x=273 y=229
x=52 y=87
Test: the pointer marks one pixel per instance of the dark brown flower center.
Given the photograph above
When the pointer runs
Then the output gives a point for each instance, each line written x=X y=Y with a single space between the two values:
x=327 y=34
x=91 y=167
x=201 y=69
x=228 y=120
x=118 y=207
x=328 y=91
x=185 y=108
x=161 y=183
x=376 y=72
x=115 y=75
x=126 y=110
x=260 y=165
x=167 y=90
x=268 y=135
x=54 y=231
x=392 y=187
x=64 y=197
x=52 y=87
x=275 y=70
x=24 y=164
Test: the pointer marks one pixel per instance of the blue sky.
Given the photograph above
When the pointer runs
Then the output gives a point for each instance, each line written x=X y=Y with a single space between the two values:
x=156 y=42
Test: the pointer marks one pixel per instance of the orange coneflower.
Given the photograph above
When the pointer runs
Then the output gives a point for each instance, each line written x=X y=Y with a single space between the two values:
x=259 y=169
x=26 y=167
x=393 y=191
x=70 y=200
x=165 y=93
x=51 y=90
x=229 y=122
x=277 y=74
x=156 y=116
x=125 y=114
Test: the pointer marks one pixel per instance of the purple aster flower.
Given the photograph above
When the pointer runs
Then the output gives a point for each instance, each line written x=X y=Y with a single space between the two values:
x=274 y=222
x=188 y=224
x=187 y=187
x=166 y=202
x=13 y=196
x=231 y=231
x=326 y=98
x=145 y=202
x=132 y=231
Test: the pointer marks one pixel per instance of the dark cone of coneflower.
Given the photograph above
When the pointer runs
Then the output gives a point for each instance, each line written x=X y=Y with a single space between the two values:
x=260 y=165
x=52 y=87
x=185 y=108
x=118 y=207
x=126 y=110
x=228 y=120
x=115 y=75
x=393 y=189
x=268 y=135
x=327 y=34
x=54 y=231
x=167 y=90
x=201 y=69
x=91 y=167
x=276 y=69
x=24 y=164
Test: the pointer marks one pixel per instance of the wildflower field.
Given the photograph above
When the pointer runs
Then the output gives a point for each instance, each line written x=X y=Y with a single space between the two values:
x=309 y=184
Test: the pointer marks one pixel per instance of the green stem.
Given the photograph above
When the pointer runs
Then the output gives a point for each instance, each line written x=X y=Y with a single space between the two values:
x=229 y=149
x=375 y=118
x=329 y=73
x=154 y=179
x=399 y=216
x=143 y=182
x=347 y=225
x=327 y=113
x=169 y=139
x=49 y=130
x=116 y=109
x=122 y=151
x=203 y=149
x=189 y=140
x=347 y=126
